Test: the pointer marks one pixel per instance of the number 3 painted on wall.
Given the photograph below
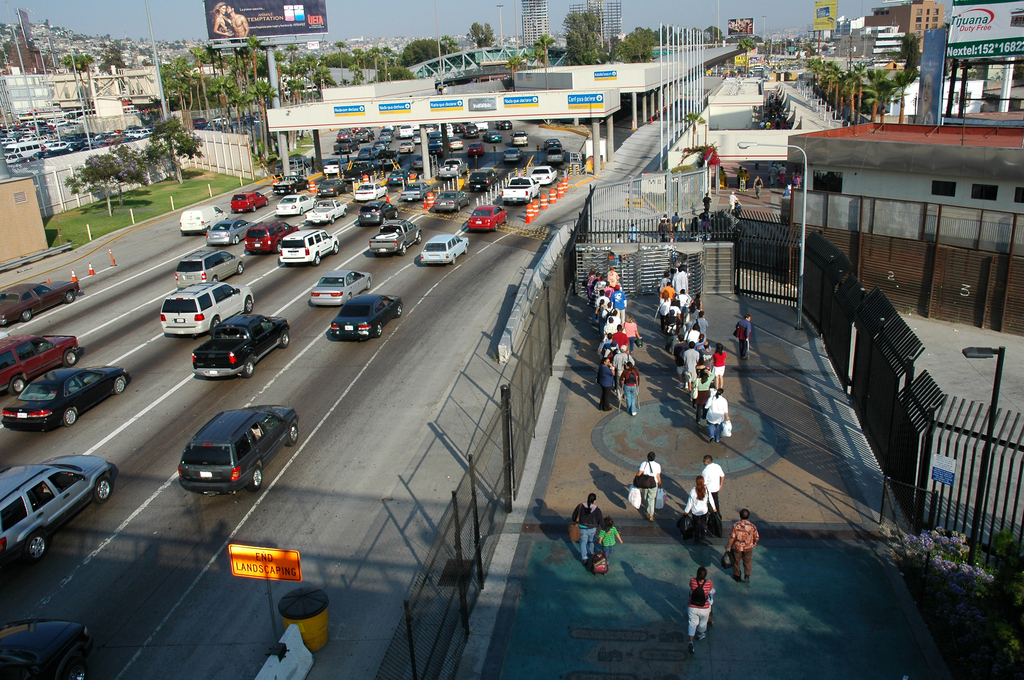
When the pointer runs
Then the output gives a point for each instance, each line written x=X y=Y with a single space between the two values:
x=965 y=290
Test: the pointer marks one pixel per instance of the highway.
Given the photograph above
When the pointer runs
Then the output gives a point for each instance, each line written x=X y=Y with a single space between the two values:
x=358 y=496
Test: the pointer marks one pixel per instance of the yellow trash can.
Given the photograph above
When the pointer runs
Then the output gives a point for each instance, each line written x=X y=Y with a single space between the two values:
x=307 y=608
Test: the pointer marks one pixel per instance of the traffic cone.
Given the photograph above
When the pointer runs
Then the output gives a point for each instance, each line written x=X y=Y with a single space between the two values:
x=47 y=279
x=112 y=263
x=92 y=272
x=73 y=277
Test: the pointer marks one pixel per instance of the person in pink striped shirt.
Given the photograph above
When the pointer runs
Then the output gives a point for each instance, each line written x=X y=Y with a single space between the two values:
x=702 y=596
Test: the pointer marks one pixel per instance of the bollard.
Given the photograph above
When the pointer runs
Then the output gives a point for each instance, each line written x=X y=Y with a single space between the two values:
x=132 y=213
x=88 y=231
x=240 y=182
x=112 y=263
x=172 y=203
x=210 y=189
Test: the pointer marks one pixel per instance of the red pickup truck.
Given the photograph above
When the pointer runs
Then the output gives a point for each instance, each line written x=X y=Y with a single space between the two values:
x=266 y=238
x=23 y=357
x=248 y=201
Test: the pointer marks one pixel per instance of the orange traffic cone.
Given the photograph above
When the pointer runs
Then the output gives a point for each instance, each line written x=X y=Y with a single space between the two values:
x=73 y=277
x=92 y=272
x=47 y=279
x=112 y=263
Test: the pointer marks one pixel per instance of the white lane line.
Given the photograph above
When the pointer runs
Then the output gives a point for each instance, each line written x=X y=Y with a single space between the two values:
x=282 y=371
x=376 y=287
x=138 y=415
x=242 y=522
x=133 y=351
x=130 y=311
x=429 y=290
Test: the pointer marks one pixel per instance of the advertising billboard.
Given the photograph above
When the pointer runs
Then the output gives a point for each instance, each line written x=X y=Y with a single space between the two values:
x=229 y=19
x=825 y=15
x=932 y=62
x=986 y=29
x=741 y=26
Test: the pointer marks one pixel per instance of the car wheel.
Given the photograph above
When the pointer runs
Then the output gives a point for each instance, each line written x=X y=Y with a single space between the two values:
x=284 y=340
x=70 y=358
x=402 y=250
x=240 y=268
x=69 y=297
x=332 y=219
x=248 y=368
x=455 y=258
x=70 y=417
x=277 y=248
x=75 y=670
x=256 y=481
x=17 y=385
x=293 y=435
x=101 y=489
x=248 y=305
x=234 y=242
x=26 y=315
x=419 y=237
x=215 y=278
x=335 y=249
x=316 y=260
x=119 y=384
x=35 y=547
x=398 y=310
x=378 y=330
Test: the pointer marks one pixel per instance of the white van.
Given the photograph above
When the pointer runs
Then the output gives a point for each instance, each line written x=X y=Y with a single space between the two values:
x=199 y=220
x=23 y=150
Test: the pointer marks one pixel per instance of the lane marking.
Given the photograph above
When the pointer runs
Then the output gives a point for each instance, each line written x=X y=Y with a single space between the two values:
x=130 y=311
x=282 y=371
x=133 y=351
x=138 y=415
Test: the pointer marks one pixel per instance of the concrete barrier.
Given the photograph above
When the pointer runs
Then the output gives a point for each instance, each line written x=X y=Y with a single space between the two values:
x=296 y=663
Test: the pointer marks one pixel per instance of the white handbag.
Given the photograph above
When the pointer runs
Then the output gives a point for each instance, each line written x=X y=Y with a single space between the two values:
x=634 y=497
x=727 y=429
x=659 y=500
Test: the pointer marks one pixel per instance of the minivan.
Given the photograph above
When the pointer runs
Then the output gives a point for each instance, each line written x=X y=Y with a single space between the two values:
x=444 y=249
x=206 y=266
x=199 y=220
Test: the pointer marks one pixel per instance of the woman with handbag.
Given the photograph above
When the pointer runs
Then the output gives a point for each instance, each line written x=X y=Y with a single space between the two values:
x=590 y=519
x=717 y=415
x=632 y=332
x=702 y=386
x=698 y=505
x=648 y=480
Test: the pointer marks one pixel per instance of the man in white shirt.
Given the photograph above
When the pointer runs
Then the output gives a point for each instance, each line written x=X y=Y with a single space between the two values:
x=680 y=280
x=650 y=468
x=713 y=475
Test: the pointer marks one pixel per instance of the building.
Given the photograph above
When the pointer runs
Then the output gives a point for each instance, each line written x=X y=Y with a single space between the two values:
x=914 y=17
x=535 y=20
x=609 y=15
x=22 y=94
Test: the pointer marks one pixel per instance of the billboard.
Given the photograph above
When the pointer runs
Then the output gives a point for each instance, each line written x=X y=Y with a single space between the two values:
x=825 y=15
x=932 y=63
x=741 y=26
x=228 y=19
x=992 y=29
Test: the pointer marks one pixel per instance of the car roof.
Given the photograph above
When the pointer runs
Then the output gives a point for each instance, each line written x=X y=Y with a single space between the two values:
x=363 y=300
x=193 y=290
x=20 y=288
x=224 y=425
x=14 y=340
x=199 y=255
x=441 y=238
x=302 y=233
x=12 y=478
x=372 y=204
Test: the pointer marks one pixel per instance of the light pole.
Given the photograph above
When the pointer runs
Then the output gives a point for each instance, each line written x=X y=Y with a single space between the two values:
x=156 y=65
x=981 y=495
x=803 y=227
x=501 y=28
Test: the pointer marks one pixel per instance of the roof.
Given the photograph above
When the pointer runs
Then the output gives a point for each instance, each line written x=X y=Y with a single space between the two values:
x=951 y=135
x=223 y=425
x=19 y=288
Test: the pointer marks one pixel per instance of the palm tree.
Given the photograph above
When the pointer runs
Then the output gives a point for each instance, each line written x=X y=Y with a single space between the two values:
x=861 y=71
x=747 y=44
x=542 y=44
x=879 y=91
x=515 y=63
x=903 y=80
x=448 y=45
x=199 y=53
x=847 y=86
x=261 y=91
x=358 y=55
x=693 y=120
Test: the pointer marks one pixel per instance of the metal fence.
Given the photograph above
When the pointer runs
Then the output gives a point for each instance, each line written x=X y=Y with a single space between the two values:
x=631 y=209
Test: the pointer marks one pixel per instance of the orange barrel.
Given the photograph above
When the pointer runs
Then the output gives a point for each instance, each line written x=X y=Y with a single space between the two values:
x=529 y=213
x=365 y=179
x=412 y=176
x=553 y=196
x=543 y=201
x=430 y=200
x=561 y=189
x=307 y=608
x=312 y=187
x=535 y=205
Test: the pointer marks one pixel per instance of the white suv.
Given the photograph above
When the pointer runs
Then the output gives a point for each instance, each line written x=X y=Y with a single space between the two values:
x=307 y=246
x=198 y=308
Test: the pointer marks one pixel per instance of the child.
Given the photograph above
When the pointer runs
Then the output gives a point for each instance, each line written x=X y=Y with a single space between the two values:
x=606 y=537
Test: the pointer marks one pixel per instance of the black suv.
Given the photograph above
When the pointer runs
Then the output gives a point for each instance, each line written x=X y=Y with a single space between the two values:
x=377 y=212
x=44 y=649
x=231 y=450
x=482 y=180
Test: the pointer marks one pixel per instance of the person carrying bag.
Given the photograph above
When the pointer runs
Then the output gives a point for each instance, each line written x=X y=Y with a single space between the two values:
x=648 y=480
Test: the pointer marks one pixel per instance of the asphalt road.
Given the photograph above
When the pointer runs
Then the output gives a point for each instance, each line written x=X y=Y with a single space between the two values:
x=358 y=497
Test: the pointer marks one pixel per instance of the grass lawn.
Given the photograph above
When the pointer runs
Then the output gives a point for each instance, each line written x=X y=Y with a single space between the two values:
x=146 y=202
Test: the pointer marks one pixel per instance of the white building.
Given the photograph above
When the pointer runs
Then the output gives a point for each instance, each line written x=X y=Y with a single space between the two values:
x=22 y=94
x=535 y=20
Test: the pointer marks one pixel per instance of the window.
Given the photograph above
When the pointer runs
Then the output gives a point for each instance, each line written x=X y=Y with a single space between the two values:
x=918 y=20
x=984 y=192
x=828 y=181
x=41 y=290
x=64 y=480
x=42 y=345
x=242 y=447
x=1018 y=197
x=25 y=350
x=205 y=302
x=941 y=188
x=39 y=495
x=12 y=514
x=7 y=360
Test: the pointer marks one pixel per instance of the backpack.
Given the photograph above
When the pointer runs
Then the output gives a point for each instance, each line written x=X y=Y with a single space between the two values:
x=599 y=563
x=698 y=598
x=631 y=378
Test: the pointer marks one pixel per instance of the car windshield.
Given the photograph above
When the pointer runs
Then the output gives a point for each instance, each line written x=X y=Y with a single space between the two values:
x=481 y=212
x=191 y=266
x=414 y=187
x=228 y=333
x=221 y=226
x=331 y=281
x=293 y=243
x=446 y=196
x=9 y=297
x=519 y=183
x=326 y=205
x=435 y=247
x=206 y=454
x=256 y=233
x=355 y=311
x=179 y=306
x=478 y=177
x=370 y=207
x=289 y=199
x=39 y=392
x=365 y=187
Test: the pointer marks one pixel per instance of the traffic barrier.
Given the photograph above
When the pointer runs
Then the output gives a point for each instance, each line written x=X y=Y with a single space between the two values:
x=560 y=192
x=73 y=277
x=535 y=204
x=47 y=279
x=430 y=200
x=529 y=213
x=543 y=201
x=553 y=196
x=112 y=263
x=312 y=187
x=294 y=664
x=92 y=272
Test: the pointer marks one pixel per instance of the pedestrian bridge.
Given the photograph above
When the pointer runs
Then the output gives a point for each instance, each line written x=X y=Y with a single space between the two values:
x=482 y=62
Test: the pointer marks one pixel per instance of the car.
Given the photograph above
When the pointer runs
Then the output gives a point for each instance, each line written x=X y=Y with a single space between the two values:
x=307 y=246
x=493 y=137
x=59 y=396
x=24 y=300
x=70 y=483
x=23 y=357
x=376 y=212
x=444 y=249
x=476 y=149
x=456 y=145
x=503 y=125
x=197 y=309
x=552 y=143
x=371 y=191
x=364 y=316
x=227 y=232
x=416 y=191
x=326 y=211
x=290 y=184
x=205 y=266
x=248 y=201
x=406 y=147
x=266 y=238
x=296 y=204
x=44 y=648
x=200 y=123
x=520 y=138
x=452 y=168
x=346 y=146
x=230 y=451
x=482 y=180
x=332 y=166
x=435 y=148
x=367 y=153
x=360 y=169
x=451 y=201
x=487 y=218
x=471 y=131
x=335 y=288
x=512 y=156
x=405 y=132
x=395 y=237
x=363 y=135
x=544 y=174
x=238 y=343
x=398 y=178
x=380 y=145
x=417 y=163
x=330 y=188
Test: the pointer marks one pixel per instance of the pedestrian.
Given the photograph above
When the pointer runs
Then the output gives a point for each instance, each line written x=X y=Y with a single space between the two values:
x=698 y=505
x=620 y=338
x=676 y=220
x=733 y=201
x=606 y=537
x=681 y=280
x=702 y=323
x=713 y=475
x=618 y=299
x=693 y=333
x=758 y=185
x=719 y=359
x=678 y=353
x=690 y=358
x=698 y=610
x=632 y=331
x=744 y=330
x=590 y=519
x=606 y=347
x=742 y=540
x=613 y=277
x=630 y=383
x=619 y=359
x=705 y=386
x=663 y=310
x=667 y=292
x=606 y=379
x=591 y=279
x=649 y=468
x=717 y=415
x=707 y=203
x=664 y=228
x=611 y=322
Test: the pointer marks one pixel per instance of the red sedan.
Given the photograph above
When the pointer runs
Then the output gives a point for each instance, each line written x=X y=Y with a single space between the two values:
x=487 y=218
x=475 y=149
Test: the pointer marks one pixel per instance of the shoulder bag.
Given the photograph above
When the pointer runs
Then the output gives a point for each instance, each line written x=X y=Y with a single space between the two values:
x=642 y=481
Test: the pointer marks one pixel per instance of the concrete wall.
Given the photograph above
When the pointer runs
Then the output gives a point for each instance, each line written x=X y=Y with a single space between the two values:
x=739 y=117
x=727 y=142
x=21 y=230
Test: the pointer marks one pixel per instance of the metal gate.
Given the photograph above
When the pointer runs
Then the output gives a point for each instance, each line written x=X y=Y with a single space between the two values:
x=767 y=256
x=629 y=211
x=641 y=267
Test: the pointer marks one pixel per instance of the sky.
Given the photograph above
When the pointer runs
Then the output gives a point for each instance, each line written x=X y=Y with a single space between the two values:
x=175 y=20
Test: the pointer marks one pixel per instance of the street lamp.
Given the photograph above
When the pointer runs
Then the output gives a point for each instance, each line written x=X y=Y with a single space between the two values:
x=981 y=496
x=803 y=227
x=501 y=28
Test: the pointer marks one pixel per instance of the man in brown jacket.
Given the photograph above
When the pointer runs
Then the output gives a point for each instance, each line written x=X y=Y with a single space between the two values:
x=742 y=540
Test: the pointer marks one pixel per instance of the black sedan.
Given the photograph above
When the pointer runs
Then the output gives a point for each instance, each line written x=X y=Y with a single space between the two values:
x=503 y=125
x=330 y=188
x=44 y=649
x=377 y=212
x=364 y=316
x=58 y=397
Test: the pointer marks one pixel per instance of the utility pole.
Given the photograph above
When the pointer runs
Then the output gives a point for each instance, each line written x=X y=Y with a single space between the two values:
x=501 y=28
x=21 y=60
x=156 y=65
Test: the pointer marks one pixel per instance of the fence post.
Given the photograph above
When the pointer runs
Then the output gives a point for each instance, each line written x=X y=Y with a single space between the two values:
x=412 y=646
x=463 y=603
x=476 y=523
x=506 y=445
x=551 y=332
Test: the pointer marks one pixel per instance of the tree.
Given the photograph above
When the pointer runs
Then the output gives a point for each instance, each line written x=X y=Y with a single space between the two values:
x=515 y=63
x=909 y=53
x=483 y=36
x=582 y=38
x=109 y=172
x=693 y=120
x=419 y=51
x=878 y=92
x=200 y=55
x=637 y=47
x=903 y=80
x=747 y=44
x=712 y=34
x=449 y=45
x=172 y=141
x=111 y=56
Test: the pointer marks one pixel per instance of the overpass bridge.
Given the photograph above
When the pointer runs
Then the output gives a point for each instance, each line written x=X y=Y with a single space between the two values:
x=481 y=62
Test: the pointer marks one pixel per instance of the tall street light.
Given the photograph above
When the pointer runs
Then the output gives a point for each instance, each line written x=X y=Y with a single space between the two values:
x=981 y=494
x=501 y=28
x=156 y=65
x=803 y=227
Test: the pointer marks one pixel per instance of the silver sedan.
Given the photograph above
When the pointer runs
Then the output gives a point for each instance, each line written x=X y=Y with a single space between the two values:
x=227 y=233
x=336 y=288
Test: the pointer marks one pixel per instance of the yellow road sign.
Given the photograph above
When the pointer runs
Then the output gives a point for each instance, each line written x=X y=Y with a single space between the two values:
x=264 y=563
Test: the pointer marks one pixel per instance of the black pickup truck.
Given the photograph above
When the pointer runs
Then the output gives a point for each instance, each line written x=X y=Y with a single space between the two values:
x=290 y=184
x=236 y=344
x=360 y=168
